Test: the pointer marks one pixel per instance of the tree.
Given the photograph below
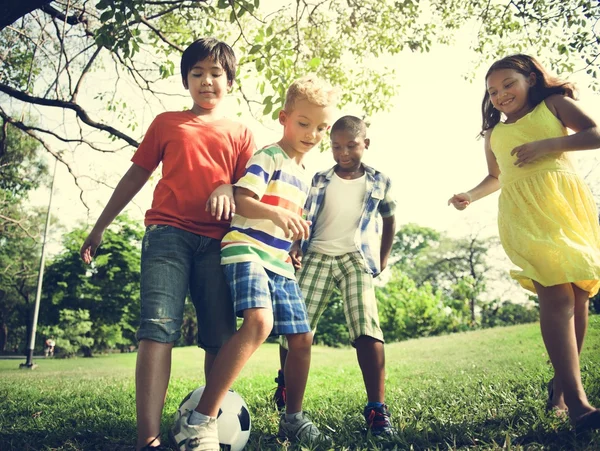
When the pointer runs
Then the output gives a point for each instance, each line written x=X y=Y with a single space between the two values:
x=55 y=46
x=457 y=267
x=21 y=170
x=108 y=290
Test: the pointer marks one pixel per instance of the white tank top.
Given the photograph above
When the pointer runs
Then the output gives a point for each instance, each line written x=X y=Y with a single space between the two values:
x=339 y=216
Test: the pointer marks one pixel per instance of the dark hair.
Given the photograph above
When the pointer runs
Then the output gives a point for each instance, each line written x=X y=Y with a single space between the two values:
x=208 y=48
x=545 y=86
x=352 y=124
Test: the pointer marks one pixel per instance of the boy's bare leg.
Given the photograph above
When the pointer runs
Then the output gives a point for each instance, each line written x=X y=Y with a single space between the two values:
x=297 y=365
x=371 y=359
x=152 y=372
x=232 y=357
x=581 y=323
x=282 y=356
x=209 y=360
x=557 y=311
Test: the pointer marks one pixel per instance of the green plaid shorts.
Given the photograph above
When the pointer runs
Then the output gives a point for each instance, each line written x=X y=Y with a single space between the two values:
x=318 y=277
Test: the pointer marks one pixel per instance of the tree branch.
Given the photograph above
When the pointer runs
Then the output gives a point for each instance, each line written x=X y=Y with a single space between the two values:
x=81 y=113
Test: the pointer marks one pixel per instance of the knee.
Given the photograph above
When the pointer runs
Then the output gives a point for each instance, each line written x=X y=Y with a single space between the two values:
x=300 y=342
x=258 y=324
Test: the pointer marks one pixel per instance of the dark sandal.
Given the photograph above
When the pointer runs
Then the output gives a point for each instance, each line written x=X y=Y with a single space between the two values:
x=587 y=421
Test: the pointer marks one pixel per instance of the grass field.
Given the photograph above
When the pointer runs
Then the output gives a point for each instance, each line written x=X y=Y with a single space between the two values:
x=477 y=390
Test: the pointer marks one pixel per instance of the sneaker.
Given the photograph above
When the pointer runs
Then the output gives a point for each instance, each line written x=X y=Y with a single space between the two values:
x=194 y=437
x=301 y=429
x=280 y=395
x=378 y=420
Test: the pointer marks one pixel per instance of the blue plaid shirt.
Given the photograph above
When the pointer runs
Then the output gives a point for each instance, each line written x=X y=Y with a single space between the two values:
x=378 y=200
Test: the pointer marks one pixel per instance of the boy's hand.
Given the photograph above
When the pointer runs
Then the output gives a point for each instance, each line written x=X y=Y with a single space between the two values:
x=460 y=201
x=296 y=255
x=221 y=203
x=293 y=225
x=91 y=243
x=383 y=264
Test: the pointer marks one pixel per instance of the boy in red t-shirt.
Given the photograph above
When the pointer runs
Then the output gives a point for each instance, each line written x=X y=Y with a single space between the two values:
x=202 y=155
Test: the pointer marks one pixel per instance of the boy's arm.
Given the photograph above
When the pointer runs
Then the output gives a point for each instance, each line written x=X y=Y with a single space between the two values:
x=248 y=206
x=133 y=180
x=387 y=240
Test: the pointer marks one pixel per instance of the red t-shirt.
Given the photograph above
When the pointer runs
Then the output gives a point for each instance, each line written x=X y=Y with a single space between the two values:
x=196 y=157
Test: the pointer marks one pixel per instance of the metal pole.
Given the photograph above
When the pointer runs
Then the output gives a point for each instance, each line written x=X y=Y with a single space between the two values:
x=29 y=363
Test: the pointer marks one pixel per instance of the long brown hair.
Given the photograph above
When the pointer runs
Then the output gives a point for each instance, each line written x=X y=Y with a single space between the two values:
x=545 y=86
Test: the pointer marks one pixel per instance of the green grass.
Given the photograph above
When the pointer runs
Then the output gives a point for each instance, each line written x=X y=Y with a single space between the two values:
x=477 y=390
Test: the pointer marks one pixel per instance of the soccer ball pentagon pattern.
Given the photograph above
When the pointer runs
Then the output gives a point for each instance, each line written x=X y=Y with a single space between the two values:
x=233 y=419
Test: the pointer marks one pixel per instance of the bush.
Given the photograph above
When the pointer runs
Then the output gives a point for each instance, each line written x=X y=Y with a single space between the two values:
x=507 y=313
x=407 y=311
x=72 y=333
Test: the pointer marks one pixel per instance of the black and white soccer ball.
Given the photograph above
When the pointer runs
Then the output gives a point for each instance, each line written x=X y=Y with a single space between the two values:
x=233 y=419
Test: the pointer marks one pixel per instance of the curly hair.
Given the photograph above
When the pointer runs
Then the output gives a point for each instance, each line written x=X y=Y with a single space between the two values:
x=310 y=88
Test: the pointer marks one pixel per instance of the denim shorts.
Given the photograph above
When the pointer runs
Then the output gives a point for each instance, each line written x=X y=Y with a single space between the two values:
x=174 y=263
x=254 y=286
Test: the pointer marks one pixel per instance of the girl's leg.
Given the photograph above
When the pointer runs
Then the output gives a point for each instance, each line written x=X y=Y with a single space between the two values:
x=557 y=321
x=582 y=302
x=232 y=357
x=581 y=322
x=296 y=369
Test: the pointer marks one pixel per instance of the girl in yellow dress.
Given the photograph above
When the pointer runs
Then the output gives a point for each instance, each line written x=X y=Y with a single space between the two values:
x=547 y=217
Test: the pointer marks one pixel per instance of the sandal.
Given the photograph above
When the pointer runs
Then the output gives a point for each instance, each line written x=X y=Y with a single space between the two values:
x=587 y=421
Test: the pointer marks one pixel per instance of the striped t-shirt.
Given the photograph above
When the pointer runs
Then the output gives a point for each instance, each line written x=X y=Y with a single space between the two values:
x=277 y=180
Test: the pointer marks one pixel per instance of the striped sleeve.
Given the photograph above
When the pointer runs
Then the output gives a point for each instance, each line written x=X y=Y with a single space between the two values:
x=259 y=170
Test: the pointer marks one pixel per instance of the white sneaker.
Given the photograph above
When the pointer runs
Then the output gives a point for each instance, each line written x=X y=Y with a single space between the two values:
x=301 y=429
x=194 y=437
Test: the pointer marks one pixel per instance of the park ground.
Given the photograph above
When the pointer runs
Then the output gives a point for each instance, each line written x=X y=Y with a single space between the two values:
x=483 y=389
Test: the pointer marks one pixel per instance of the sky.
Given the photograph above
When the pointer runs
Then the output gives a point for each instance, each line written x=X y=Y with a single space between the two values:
x=426 y=142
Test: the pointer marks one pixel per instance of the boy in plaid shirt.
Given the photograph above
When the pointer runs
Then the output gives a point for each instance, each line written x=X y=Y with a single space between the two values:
x=346 y=249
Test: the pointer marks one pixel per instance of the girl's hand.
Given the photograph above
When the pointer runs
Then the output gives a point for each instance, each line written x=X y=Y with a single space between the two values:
x=528 y=153
x=460 y=201
x=91 y=243
x=221 y=203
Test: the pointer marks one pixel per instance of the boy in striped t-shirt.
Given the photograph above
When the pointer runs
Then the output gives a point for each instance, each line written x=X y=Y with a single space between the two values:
x=269 y=202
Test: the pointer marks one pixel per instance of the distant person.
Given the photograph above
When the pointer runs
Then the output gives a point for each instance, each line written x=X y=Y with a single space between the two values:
x=347 y=248
x=49 y=347
x=269 y=200
x=202 y=154
x=547 y=216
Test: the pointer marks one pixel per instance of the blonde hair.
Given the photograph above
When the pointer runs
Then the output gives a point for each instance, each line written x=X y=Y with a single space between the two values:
x=311 y=88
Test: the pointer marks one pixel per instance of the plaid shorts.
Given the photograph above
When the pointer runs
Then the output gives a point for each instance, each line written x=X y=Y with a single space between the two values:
x=321 y=273
x=254 y=286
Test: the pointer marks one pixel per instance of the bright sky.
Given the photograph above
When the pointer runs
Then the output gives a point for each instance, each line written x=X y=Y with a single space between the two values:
x=426 y=143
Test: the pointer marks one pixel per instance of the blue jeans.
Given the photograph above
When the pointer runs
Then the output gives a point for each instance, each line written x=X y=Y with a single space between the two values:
x=175 y=262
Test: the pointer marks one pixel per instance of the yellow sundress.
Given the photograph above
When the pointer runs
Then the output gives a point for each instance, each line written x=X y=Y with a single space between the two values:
x=547 y=217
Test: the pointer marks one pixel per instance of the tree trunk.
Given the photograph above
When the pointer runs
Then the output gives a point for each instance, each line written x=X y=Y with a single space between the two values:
x=3 y=336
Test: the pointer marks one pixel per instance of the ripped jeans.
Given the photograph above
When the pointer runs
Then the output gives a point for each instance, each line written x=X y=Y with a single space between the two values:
x=174 y=263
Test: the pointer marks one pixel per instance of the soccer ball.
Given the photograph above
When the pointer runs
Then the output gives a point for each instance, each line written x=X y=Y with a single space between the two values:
x=233 y=419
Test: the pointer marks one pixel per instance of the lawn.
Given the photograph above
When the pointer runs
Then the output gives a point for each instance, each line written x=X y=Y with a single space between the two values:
x=477 y=390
